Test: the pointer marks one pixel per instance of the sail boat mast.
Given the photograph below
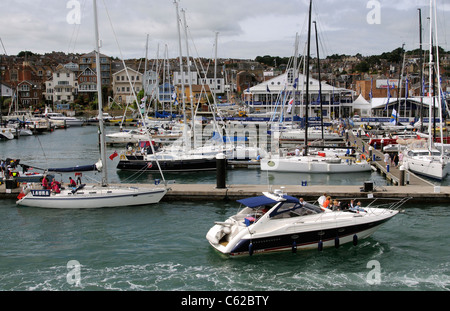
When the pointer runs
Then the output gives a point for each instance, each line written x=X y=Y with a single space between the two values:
x=307 y=78
x=421 y=71
x=100 y=100
x=320 y=83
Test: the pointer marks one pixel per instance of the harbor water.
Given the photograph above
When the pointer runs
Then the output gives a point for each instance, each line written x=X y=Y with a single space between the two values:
x=163 y=247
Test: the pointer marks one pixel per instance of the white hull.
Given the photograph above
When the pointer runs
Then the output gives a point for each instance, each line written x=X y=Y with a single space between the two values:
x=94 y=197
x=313 y=164
x=6 y=133
x=292 y=227
x=426 y=167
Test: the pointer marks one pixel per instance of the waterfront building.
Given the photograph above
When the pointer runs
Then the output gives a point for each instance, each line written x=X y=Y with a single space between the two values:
x=122 y=86
x=89 y=61
x=275 y=94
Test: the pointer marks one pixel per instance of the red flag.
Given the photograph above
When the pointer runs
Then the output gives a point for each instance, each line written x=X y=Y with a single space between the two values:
x=114 y=155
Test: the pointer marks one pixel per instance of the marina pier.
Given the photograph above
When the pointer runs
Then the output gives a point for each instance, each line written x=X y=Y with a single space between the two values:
x=201 y=192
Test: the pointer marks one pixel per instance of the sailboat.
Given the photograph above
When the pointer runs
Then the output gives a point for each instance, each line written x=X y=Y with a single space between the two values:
x=93 y=196
x=308 y=162
x=423 y=157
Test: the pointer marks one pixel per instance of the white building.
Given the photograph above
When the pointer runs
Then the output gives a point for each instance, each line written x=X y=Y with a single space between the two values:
x=63 y=86
x=274 y=96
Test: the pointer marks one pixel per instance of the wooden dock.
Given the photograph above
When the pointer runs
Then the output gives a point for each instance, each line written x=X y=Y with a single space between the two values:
x=393 y=175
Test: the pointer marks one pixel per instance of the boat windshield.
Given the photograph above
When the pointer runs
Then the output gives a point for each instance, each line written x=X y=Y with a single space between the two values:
x=289 y=209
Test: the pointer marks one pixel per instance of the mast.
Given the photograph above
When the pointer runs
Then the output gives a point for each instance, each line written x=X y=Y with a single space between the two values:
x=400 y=83
x=182 y=77
x=421 y=71
x=430 y=78
x=439 y=85
x=320 y=84
x=307 y=79
x=191 y=96
x=100 y=101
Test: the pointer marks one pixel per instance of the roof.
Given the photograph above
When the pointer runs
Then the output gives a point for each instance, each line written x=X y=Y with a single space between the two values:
x=280 y=83
x=263 y=200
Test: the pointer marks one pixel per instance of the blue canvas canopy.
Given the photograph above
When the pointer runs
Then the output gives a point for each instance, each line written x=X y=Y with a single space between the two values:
x=263 y=200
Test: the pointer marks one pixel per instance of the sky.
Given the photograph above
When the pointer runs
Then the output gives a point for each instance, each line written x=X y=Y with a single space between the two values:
x=246 y=28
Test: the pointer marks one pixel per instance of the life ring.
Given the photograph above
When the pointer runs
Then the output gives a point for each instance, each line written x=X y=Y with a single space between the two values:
x=363 y=156
x=122 y=157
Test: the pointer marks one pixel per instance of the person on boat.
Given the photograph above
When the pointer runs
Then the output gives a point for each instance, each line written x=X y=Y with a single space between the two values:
x=301 y=202
x=357 y=208
x=322 y=199
x=72 y=183
x=336 y=205
x=327 y=202
x=45 y=183
x=55 y=186
x=78 y=178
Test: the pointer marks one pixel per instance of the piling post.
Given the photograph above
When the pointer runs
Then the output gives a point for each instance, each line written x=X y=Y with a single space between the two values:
x=402 y=176
x=221 y=169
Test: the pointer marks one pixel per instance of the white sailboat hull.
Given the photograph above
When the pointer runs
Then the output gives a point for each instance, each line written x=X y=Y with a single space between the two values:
x=299 y=164
x=433 y=169
x=93 y=197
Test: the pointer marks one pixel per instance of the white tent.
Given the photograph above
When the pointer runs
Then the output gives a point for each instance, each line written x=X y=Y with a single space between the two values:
x=362 y=106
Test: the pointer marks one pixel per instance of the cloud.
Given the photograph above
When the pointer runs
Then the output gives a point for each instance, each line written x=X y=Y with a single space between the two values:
x=247 y=28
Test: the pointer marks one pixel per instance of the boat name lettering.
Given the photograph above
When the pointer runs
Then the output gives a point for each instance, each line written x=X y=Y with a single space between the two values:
x=267 y=240
x=40 y=193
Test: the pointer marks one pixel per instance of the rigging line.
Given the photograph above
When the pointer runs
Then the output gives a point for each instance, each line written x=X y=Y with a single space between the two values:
x=134 y=93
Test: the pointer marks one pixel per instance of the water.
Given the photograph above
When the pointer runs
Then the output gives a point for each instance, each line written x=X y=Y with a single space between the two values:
x=163 y=247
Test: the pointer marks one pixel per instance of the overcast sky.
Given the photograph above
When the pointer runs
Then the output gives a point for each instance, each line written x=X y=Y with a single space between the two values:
x=247 y=28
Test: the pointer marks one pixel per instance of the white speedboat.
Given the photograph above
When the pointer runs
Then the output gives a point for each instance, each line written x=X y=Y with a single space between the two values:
x=278 y=222
x=6 y=133
x=69 y=121
x=132 y=136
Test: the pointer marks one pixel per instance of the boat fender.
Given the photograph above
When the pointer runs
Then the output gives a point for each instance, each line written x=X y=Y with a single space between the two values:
x=320 y=246
x=250 y=249
x=336 y=242
x=294 y=247
x=355 y=240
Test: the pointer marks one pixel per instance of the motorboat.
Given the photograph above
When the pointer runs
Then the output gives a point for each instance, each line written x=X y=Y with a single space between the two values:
x=6 y=133
x=276 y=222
x=298 y=135
x=132 y=136
x=68 y=121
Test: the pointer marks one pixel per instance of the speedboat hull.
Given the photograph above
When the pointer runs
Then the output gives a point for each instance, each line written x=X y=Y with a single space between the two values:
x=302 y=239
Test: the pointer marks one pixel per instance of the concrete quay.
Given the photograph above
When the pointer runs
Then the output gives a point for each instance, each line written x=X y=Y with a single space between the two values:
x=210 y=192
x=201 y=192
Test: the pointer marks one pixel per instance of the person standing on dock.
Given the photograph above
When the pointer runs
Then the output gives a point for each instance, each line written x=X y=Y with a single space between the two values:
x=386 y=158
